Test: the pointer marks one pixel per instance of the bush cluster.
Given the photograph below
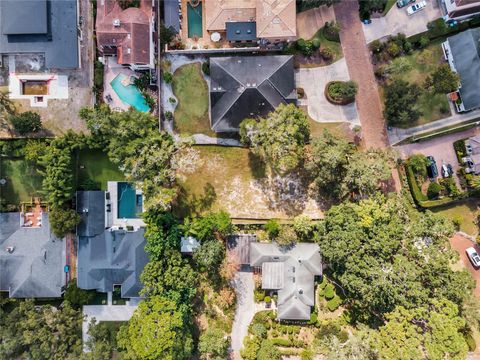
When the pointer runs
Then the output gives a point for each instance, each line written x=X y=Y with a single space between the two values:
x=394 y=47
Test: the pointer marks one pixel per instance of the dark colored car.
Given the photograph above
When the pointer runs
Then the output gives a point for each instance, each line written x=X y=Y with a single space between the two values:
x=402 y=3
x=450 y=169
x=432 y=168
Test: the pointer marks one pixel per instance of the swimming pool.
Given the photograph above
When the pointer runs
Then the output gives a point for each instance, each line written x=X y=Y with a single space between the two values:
x=194 y=18
x=129 y=94
x=129 y=202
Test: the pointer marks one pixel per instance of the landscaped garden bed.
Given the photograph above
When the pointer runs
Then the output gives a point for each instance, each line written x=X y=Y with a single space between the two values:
x=341 y=92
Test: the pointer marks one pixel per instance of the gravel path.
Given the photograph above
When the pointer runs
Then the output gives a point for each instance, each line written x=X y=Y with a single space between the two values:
x=243 y=284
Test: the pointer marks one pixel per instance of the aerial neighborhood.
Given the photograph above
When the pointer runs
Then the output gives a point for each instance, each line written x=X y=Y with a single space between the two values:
x=239 y=179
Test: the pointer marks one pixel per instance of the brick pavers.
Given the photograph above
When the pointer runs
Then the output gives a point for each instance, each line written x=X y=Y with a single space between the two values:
x=361 y=71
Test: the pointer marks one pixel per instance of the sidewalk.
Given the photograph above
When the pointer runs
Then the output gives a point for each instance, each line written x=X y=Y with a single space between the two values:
x=397 y=135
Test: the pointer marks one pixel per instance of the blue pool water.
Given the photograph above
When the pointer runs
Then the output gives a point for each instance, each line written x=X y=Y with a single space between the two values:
x=129 y=94
x=194 y=19
x=129 y=203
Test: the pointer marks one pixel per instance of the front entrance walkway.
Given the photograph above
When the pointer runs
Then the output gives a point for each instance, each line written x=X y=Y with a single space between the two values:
x=313 y=81
x=244 y=287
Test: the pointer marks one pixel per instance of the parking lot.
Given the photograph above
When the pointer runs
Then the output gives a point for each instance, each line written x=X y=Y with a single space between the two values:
x=460 y=244
x=397 y=21
x=440 y=148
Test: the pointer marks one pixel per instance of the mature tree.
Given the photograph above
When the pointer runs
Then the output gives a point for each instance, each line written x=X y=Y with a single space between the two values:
x=166 y=34
x=272 y=227
x=102 y=341
x=268 y=351
x=398 y=67
x=75 y=296
x=251 y=345
x=34 y=150
x=431 y=331
x=341 y=171
x=30 y=331
x=279 y=138
x=400 y=103
x=157 y=330
x=6 y=104
x=213 y=225
x=384 y=257
x=209 y=256
x=357 y=347
x=286 y=236
x=418 y=163
x=329 y=162
x=443 y=80
x=170 y=276
x=63 y=221
x=304 y=227
x=26 y=122
x=162 y=234
x=213 y=345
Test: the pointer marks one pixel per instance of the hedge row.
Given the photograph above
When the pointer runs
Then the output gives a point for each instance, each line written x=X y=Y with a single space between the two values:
x=438 y=29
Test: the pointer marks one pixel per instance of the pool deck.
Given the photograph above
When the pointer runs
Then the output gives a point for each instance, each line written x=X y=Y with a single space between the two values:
x=112 y=216
x=112 y=69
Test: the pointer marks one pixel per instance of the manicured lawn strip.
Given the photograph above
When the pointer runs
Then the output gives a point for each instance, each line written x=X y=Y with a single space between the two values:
x=191 y=91
x=466 y=211
x=95 y=165
x=23 y=180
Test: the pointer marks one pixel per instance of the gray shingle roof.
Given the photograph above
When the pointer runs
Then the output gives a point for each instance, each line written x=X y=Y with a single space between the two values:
x=35 y=268
x=105 y=257
x=171 y=15
x=294 y=279
x=248 y=86
x=465 y=49
x=22 y=30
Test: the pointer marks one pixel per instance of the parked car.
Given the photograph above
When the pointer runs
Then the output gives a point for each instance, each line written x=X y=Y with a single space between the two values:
x=432 y=168
x=473 y=256
x=445 y=172
x=450 y=169
x=416 y=7
x=402 y=3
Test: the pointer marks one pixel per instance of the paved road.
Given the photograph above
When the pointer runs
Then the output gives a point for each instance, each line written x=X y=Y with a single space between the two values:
x=460 y=244
x=397 y=21
x=361 y=71
x=313 y=81
x=104 y=313
x=396 y=135
x=244 y=286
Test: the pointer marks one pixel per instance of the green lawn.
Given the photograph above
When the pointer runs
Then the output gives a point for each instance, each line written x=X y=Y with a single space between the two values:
x=191 y=91
x=424 y=62
x=23 y=181
x=464 y=210
x=95 y=165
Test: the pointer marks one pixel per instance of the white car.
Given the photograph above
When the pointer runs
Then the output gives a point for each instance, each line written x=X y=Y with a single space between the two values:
x=416 y=7
x=473 y=256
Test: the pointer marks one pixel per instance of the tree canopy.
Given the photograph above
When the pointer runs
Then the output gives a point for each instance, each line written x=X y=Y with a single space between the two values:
x=443 y=80
x=279 y=138
x=26 y=122
x=400 y=97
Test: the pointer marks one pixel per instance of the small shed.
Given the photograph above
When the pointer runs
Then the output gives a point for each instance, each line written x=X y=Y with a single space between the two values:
x=188 y=245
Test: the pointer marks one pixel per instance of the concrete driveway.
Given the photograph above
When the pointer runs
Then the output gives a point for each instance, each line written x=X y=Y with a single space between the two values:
x=244 y=286
x=313 y=81
x=460 y=244
x=397 y=21
x=309 y=21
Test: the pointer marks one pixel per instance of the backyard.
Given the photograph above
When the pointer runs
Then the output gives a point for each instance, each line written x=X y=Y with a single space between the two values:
x=191 y=91
x=23 y=180
x=94 y=166
x=235 y=180
x=465 y=212
x=423 y=63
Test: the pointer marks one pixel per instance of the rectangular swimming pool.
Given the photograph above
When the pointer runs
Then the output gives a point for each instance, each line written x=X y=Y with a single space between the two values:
x=129 y=202
x=129 y=94
x=194 y=19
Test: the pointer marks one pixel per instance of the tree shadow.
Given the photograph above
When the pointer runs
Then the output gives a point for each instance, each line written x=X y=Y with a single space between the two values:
x=188 y=204
x=257 y=166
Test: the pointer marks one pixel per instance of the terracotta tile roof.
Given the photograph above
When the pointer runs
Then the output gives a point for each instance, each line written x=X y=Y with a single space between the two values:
x=275 y=18
x=131 y=38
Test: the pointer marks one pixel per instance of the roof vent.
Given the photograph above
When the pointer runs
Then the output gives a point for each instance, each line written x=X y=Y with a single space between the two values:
x=10 y=249
x=249 y=31
x=129 y=51
x=260 y=65
x=116 y=22
x=300 y=291
x=239 y=61
x=237 y=32
x=45 y=256
x=85 y=210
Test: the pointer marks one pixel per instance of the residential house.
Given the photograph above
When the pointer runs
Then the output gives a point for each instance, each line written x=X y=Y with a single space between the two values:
x=250 y=20
x=460 y=10
x=171 y=15
x=246 y=87
x=39 y=41
x=107 y=256
x=126 y=34
x=32 y=260
x=290 y=272
x=462 y=53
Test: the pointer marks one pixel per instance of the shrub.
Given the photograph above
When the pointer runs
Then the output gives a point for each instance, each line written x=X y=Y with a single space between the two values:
x=272 y=227
x=342 y=336
x=168 y=77
x=469 y=339
x=316 y=43
x=419 y=163
x=341 y=92
x=434 y=190
x=172 y=100
x=376 y=46
x=423 y=42
x=324 y=283
x=258 y=330
x=307 y=354
x=27 y=122
x=457 y=221
x=326 y=54
x=334 y=303
x=282 y=342
x=393 y=49
x=300 y=93
x=460 y=149
x=313 y=319
x=329 y=291
x=267 y=299
x=327 y=330
x=259 y=295
x=331 y=31
x=206 y=67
